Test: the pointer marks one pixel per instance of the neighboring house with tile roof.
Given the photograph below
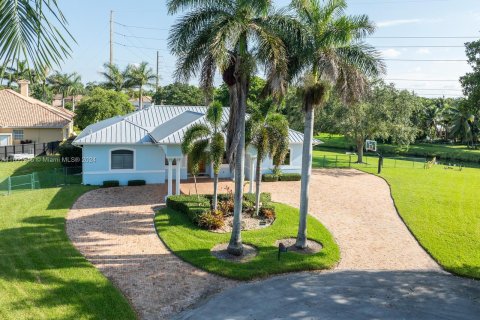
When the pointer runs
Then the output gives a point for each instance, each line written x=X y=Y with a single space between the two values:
x=147 y=102
x=146 y=145
x=23 y=118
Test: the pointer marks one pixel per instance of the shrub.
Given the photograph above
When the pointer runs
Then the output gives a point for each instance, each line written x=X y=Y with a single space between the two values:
x=192 y=206
x=211 y=220
x=136 y=182
x=110 y=183
x=267 y=177
x=267 y=211
x=70 y=155
x=226 y=207
x=248 y=206
x=264 y=197
x=290 y=177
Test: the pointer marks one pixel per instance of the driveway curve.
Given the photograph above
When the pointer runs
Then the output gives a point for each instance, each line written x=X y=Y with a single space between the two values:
x=359 y=211
x=382 y=266
x=113 y=228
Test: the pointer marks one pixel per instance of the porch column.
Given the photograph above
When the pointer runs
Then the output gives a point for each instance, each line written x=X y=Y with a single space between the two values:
x=253 y=159
x=170 y=168
x=177 y=178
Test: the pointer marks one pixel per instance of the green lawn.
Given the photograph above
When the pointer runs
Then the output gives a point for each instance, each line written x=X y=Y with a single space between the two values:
x=42 y=276
x=444 y=152
x=26 y=167
x=439 y=206
x=193 y=245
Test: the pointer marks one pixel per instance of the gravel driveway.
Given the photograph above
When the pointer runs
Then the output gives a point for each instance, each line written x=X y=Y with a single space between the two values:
x=359 y=211
x=113 y=228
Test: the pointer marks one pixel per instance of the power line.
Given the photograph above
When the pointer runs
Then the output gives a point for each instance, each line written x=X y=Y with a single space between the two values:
x=424 y=37
x=427 y=60
x=139 y=47
x=138 y=37
x=426 y=80
x=140 y=27
x=430 y=89
x=408 y=46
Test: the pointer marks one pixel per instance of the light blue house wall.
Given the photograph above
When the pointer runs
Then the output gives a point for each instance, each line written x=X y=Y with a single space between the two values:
x=295 y=165
x=149 y=164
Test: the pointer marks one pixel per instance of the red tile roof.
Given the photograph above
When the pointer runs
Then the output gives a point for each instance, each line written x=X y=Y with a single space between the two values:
x=17 y=111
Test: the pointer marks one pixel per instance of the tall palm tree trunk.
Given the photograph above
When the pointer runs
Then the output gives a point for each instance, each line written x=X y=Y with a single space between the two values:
x=306 y=173
x=232 y=136
x=140 y=98
x=258 y=176
x=215 y=191
x=235 y=247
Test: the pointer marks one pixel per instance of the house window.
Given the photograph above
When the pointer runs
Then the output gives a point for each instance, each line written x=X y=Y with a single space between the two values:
x=122 y=159
x=286 y=161
x=18 y=135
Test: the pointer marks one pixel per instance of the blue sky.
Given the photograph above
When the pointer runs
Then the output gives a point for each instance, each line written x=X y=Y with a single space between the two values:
x=89 y=23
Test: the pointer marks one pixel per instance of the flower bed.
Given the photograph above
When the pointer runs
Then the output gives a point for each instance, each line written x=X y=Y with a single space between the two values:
x=199 y=210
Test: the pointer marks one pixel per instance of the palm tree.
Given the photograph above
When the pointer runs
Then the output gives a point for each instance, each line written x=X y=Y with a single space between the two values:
x=207 y=142
x=331 y=54
x=76 y=88
x=234 y=36
x=462 y=124
x=115 y=78
x=267 y=131
x=140 y=76
x=32 y=31
x=64 y=83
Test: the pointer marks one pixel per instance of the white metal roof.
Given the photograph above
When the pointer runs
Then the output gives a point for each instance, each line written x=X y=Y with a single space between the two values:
x=157 y=124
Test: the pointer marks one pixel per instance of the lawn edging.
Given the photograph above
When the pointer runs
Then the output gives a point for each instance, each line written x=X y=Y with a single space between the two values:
x=193 y=245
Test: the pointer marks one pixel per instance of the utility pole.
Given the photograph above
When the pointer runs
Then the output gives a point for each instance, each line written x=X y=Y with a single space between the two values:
x=158 y=70
x=111 y=37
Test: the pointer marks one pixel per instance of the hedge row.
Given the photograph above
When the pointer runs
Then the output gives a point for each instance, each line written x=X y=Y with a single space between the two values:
x=268 y=177
x=193 y=206
x=116 y=183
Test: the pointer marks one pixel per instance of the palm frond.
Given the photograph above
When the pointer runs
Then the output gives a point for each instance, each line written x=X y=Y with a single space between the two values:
x=32 y=30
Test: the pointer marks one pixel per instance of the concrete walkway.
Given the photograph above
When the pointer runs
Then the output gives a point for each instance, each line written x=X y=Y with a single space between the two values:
x=352 y=295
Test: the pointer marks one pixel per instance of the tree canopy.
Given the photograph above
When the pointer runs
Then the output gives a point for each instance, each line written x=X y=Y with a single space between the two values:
x=180 y=94
x=101 y=104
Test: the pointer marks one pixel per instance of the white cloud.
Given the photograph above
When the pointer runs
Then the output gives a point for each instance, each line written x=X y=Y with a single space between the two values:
x=423 y=51
x=390 y=53
x=392 y=23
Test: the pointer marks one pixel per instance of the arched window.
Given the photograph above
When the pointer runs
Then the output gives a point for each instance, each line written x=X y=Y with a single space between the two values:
x=121 y=159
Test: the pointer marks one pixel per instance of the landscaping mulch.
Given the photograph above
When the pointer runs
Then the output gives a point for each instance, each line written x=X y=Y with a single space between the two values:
x=312 y=246
x=220 y=251
x=248 y=223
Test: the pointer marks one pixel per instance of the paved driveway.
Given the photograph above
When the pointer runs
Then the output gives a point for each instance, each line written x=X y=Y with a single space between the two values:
x=383 y=272
x=349 y=295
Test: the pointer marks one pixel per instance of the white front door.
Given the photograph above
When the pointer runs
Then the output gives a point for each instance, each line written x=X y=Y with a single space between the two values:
x=4 y=140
